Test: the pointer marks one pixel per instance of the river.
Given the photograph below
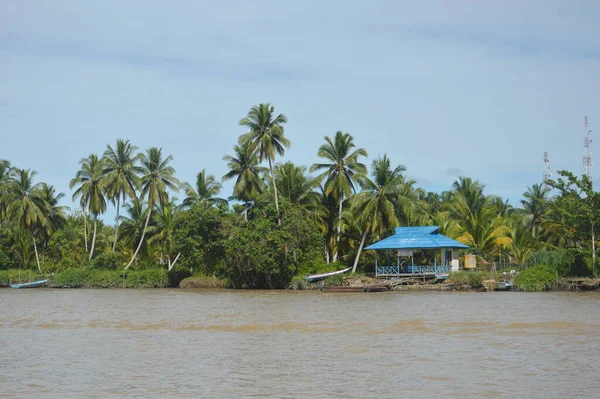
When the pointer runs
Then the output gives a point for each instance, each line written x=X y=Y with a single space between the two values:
x=281 y=344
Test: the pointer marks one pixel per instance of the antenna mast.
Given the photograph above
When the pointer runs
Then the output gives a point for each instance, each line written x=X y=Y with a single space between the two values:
x=547 y=170
x=587 y=157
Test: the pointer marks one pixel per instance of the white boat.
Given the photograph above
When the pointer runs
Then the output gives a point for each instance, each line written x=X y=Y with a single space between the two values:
x=317 y=277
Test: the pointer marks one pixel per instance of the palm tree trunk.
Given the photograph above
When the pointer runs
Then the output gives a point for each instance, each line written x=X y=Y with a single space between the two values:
x=116 y=224
x=362 y=243
x=85 y=229
x=94 y=236
x=275 y=192
x=37 y=258
x=143 y=234
x=174 y=261
x=339 y=231
x=246 y=211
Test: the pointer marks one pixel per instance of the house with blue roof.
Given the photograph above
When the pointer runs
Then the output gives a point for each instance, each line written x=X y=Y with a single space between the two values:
x=403 y=245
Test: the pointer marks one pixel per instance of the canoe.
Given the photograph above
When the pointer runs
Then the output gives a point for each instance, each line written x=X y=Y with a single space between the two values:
x=317 y=277
x=31 y=284
x=355 y=288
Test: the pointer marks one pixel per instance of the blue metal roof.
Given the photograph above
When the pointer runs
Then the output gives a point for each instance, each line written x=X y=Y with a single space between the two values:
x=419 y=237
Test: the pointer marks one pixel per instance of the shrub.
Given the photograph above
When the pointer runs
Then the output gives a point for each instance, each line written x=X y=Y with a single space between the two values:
x=4 y=280
x=334 y=281
x=104 y=279
x=176 y=274
x=298 y=283
x=202 y=282
x=558 y=260
x=536 y=278
x=149 y=278
x=475 y=279
x=72 y=278
x=5 y=260
x=108 y=261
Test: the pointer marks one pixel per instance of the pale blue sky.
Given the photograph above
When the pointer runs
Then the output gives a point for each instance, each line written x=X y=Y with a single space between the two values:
x=476 y=88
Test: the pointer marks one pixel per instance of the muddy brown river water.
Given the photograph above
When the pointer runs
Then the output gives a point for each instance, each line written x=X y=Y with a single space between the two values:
x=280 y=344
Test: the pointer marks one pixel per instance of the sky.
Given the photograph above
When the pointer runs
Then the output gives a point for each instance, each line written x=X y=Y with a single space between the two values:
x=446 y=88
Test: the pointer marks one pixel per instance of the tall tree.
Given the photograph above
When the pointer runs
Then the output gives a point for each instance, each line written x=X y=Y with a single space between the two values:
x=92 y=190
x=5 y=168
x=244 y=168
x=375 y=204
x=158 y=177
x=26 y=205
x=121 y=178
x=294 y=184
x=57 y=214
x=342 y=172
x=206 y=191
x=535 y=205
x=163 y=229
x=266 y=135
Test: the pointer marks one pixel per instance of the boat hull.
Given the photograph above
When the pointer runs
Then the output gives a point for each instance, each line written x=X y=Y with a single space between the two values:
x=318 y=277
x=32 y=284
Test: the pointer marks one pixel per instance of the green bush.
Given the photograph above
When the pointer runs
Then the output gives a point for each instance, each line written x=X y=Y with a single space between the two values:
x=334 y=281
x=5 y=260
x=177 y=274
x=536 y=278
x=475 y=279
x=104 y=279
x=202 y=282
x=72 y=278
x=4 y=280
x=149 y=278
x=108 y=261
x=298 y=283
x=558 y=260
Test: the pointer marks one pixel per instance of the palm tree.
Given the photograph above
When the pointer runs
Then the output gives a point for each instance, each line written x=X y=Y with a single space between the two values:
x=207 y=189
x=342 y=173
x=163 y=228
x=132 y=225
x=244 y=168
x=267 y=137
x=157 y=179
x=481 y=225
x=26 y=205
x=294 y=184
x=121 y=175
x=57 y=214
x=375 y=204
x=92 y=190
x=536 y=206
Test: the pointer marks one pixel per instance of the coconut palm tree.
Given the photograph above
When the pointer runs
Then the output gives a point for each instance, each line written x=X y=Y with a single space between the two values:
x=132 y=225
x=535 y=205
x=158 y=177
x=91 y=191
x=266 y=137
x=244 y=168
x=343 y=171
x=121 y=178
x=57 y=214
x=207 y=189
x=163 y=228
x=481 y=226
x=294 y=184
x=375 y=204
x=25 y=204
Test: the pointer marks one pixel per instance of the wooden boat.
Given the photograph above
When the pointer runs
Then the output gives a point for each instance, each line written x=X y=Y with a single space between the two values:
x=317 y=277
x=355 y=288
x=31 y=284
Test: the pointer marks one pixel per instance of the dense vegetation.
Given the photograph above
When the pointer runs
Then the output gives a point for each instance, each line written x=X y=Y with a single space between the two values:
x=280 y=221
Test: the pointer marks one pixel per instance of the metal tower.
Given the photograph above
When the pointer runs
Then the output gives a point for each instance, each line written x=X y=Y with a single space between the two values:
x=587 y=157
x=547 y=170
